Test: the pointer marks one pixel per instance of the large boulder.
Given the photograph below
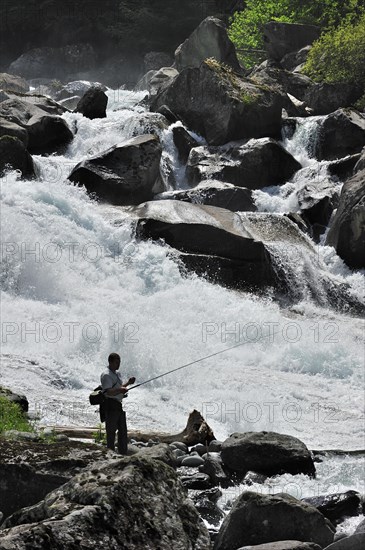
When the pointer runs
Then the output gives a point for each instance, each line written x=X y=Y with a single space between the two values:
x=339 y=134
x=283 y=38
x=209 y=39
x=257 y=519
x=14 y=155
x=215 y=193
x=255 y=164
x=131 y=502
x=347 y=230
x=54 y=62
x=45 y=132
x=268 y=453
x=222 y=106
x=337 y=506
x=229 y=247
x=325 y=98
x=13 y=83
x=124 y=174
x=93 y=103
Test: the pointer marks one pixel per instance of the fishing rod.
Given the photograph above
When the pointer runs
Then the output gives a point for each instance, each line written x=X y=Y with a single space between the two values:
x=196 y=361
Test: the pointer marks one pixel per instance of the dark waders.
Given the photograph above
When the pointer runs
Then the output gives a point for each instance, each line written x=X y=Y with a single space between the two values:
x=115 y=420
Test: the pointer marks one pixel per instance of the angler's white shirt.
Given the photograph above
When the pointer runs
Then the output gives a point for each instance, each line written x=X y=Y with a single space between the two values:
x=111 y=379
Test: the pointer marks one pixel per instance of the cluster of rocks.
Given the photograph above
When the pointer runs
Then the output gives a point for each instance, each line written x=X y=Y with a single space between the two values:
x=241 y=116
x=68 y=493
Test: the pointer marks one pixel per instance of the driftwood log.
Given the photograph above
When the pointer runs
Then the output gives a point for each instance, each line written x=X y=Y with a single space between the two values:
x=196 y=431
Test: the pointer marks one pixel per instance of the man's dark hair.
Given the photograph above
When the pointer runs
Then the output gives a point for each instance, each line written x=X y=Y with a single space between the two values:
x=113 y=356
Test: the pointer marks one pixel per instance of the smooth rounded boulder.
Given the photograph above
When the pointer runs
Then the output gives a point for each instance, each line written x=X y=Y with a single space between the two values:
x=93 y=103
x=257 y=519
x=222 y=106
x=254 y=165
x=125 y=174
x=347 y=230
x=209 y=39
x=268 y=453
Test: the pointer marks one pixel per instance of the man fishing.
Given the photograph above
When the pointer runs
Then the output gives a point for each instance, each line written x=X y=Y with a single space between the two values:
x=114 y=390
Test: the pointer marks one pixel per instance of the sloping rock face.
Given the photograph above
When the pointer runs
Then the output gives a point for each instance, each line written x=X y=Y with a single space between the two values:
x=255 y=164
x=160 y=80
x=339 y=134
x=283 y=38
x=54 y=62
x=130 y=503
x=93 y=103
x=124 y=174
x=257 y=519
x=209 y=39
x=347 y=230
x=13 y=83
x=268 y=453
x=222 y=106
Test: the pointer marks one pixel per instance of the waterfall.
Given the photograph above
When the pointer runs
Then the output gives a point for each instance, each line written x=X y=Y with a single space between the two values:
x=76 y=286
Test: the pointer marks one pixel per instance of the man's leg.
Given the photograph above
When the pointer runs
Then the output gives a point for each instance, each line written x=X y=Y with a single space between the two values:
x=122 y=433
x=111 y=422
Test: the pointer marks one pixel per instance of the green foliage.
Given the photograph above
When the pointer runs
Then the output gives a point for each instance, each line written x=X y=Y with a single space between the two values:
x=12 y=417
x=99 y=436
x=339 y=54
x=246 y=28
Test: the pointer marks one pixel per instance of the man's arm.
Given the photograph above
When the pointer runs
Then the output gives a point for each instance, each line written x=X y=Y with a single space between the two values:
x=130 y=381
x=109 y=388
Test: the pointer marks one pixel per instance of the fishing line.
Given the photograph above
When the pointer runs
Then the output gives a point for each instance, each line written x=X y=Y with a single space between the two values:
x=198 y=361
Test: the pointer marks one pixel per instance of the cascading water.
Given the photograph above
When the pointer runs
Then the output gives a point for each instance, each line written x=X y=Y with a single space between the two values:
x=76 y=287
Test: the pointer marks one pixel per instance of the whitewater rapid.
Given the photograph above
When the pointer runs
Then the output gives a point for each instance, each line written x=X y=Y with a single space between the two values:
x=76 y=287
